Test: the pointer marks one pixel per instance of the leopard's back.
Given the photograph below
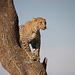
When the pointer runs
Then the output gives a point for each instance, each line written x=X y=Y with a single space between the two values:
x=21 y=30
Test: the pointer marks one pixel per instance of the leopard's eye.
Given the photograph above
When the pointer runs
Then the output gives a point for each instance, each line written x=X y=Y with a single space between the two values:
x=41 y=22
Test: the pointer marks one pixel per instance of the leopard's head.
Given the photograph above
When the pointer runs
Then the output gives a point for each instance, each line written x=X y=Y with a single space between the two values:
x=40 y=23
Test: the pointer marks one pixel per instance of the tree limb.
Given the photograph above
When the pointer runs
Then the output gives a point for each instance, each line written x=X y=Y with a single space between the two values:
x=13 y=58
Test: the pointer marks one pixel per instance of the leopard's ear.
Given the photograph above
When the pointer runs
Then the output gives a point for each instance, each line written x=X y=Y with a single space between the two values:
x=34 y=19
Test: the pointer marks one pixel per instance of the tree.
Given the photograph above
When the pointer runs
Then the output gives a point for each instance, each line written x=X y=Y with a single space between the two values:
x=13 y=58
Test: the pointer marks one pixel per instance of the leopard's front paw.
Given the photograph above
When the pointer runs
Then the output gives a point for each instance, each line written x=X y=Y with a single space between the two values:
x=36 y=53
x=31 y=55
x=35 y=58
x=38 y=58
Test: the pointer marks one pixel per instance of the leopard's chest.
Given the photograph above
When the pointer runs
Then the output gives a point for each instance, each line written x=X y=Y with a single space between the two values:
x=32 y=37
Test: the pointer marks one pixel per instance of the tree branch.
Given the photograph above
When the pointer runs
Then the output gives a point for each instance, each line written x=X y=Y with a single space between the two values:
x=13 y=58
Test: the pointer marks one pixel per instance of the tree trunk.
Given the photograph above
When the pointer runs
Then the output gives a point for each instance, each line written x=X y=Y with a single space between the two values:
x=13 y=58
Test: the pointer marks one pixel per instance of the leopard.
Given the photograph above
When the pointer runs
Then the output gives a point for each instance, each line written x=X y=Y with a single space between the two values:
x=30 y=34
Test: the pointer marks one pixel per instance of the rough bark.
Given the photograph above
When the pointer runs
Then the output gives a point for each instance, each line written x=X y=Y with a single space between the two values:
x=13 y=58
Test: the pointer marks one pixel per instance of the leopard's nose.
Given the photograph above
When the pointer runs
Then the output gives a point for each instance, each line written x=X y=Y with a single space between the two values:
x=45 y=23
x=44 y=28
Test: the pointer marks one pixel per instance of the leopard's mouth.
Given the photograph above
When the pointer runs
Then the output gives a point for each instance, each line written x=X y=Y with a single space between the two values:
x=44 y=28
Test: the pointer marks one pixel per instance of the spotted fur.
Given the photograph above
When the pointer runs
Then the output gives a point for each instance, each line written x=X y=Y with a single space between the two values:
x=30 y=34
